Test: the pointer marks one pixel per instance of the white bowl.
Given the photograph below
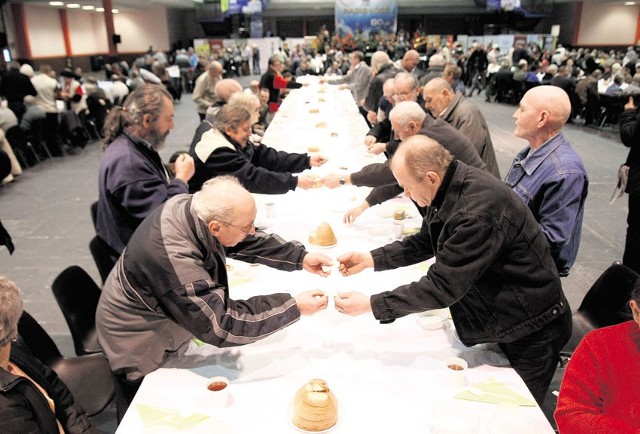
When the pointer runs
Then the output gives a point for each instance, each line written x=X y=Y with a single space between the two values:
x=432 y=319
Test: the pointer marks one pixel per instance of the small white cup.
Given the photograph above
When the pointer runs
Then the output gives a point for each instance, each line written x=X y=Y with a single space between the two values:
x=398 y=228
x=270 y=209
x=456 y=369
x=218 y=396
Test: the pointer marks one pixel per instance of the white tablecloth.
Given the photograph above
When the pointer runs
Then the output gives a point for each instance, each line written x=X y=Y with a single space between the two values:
x=387 y=378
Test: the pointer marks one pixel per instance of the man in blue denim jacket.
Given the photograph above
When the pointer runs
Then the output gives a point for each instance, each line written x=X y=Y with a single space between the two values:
x=548 y=174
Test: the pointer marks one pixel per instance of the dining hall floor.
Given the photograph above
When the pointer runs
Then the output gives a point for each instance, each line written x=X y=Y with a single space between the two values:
x=46 y=211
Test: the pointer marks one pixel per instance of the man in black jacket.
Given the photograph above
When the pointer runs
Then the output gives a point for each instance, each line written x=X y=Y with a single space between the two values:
x=493 y=266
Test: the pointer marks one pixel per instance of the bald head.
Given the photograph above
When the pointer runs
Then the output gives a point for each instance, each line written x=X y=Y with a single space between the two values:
x=388 y=89
x=437 y=95
x=541 y=114
x=554 y=100
x=215 y=69
x=227 y=87
x=410 y=60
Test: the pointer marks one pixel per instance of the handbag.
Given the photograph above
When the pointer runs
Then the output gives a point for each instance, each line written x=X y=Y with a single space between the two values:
x=623 y=178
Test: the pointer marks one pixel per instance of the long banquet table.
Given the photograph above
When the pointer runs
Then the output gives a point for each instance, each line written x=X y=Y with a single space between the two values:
x=387 y=378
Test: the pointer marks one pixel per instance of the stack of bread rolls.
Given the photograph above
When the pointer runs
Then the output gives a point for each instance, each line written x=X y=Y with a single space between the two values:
x=315 y=407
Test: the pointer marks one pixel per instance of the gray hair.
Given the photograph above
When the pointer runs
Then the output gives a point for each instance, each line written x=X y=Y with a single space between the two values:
x=378 y=60
x=207 y=203
x=10 y=309
x=407 y=76
x=231 y=116
x=147 y=99
x=226 y=87
x=421 y=155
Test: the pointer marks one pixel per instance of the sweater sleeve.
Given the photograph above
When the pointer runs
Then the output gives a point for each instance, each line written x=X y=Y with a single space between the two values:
x=581 y=397
x=629 y=127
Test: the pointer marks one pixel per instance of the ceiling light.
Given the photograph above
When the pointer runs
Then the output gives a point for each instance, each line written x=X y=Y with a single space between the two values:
x=56 y=3
x=115 y=11
x=73 y=6
x=99 y=9
x=629 y=3
x=88 y=8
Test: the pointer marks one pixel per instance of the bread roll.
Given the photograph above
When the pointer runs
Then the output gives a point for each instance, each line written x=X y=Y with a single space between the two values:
x=315 y=407
x=323 y=236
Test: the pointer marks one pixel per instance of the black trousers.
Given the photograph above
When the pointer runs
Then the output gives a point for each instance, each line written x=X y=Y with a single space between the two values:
x=631 y=257
x=535 y=357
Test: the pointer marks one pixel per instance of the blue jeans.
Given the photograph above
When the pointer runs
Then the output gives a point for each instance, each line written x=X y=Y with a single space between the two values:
x=535 y=357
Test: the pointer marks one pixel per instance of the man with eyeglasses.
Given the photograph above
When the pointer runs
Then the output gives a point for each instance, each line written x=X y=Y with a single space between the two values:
x=226 y=150
x=167 y=303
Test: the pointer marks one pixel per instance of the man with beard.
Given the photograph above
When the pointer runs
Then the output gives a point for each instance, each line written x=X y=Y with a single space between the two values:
x=133 y=180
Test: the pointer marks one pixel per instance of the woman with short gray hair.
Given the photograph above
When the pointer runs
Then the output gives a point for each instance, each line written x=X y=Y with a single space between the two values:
x=32 y=397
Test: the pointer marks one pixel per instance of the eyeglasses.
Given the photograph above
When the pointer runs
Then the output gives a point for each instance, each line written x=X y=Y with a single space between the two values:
x=247 y=229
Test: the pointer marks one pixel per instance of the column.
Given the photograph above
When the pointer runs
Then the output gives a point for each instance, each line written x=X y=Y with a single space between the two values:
x=64 y=24
x=21 y=31
x=108 y=19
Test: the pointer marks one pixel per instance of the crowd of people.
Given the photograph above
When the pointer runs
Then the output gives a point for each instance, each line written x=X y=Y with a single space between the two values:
x=501 y=246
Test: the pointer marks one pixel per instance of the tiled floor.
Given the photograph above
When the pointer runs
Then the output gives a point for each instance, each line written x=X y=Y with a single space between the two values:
x=47 y=213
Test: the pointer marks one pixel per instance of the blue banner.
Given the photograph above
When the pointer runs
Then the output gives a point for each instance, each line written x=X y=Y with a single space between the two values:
x=366 y=16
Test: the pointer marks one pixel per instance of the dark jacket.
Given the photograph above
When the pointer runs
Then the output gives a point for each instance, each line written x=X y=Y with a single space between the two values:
x=132 y=182
x=493 y=266
x=260 y=169
x=380 y=176
x=14 y=86
x=630 y=135
x=25 y=410
x=171 y=284
x=375 y=92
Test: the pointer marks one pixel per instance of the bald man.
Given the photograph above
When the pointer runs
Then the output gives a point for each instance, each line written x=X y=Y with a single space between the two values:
x=548 y=174
x=171 y=285
x=453 y=108
x=409 y=61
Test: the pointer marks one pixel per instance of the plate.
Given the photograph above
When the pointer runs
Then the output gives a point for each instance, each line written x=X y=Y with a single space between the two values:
x=290 y=417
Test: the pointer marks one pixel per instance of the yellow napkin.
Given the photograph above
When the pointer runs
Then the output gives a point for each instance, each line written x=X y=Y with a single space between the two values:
x=156 y=417
x=495 y=392
x=234 y=282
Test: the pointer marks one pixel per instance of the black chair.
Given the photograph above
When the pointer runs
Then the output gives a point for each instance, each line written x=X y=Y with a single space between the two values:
x=78 y=295
x=94 y=214
x=103 y=255
x=611 y=107
x=35 y=138
x=89 y=377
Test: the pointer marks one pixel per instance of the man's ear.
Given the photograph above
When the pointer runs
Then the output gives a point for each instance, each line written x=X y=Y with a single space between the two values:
x=214 y=227
x=433 y=178
x=146 y=120
x=635 y=310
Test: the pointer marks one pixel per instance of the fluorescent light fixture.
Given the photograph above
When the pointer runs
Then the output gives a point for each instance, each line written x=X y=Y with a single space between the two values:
x=115 y=11
x=56 y=3
x=99 y=9
x=73 y=6
x=629 y=3
x=88 y=8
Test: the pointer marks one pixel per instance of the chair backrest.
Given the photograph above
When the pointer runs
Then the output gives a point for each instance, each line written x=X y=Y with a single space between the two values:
x=89 y=377
x=38 y=340
x=77 y=295
x=94 y=214
x=606 y=302
x=103 y=255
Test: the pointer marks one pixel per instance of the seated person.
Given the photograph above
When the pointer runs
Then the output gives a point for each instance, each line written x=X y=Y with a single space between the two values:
x=175 y=262
x=32 y=397
x=226 y=150
x=224 y=89
x=32 y=112
x=601 y=387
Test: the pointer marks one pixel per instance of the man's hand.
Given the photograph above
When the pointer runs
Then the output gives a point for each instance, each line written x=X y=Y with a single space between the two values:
x=631 y=105
x=354 y=262
x=377 y=148
x=308 y=181
x=332 y=180
x=372 y=117
x=310 y=302
x=352 y=303
x=313 y=263
x=351 y=215
x=185 y=167
x=369 y=140
x=317 y=160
